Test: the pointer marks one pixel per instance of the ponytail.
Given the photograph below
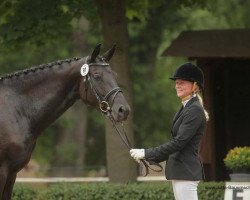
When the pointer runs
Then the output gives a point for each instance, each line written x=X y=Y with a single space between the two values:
x=195 y=90
x=201 y=102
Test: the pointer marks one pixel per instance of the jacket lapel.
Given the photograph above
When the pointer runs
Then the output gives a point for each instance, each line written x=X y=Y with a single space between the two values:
x=178 y=114
x=191 y=101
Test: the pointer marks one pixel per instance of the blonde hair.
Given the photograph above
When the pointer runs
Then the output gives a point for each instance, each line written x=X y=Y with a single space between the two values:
x=196 y=91
x=201 y=102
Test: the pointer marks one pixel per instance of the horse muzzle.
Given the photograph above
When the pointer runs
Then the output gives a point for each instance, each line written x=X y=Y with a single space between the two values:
x=120 y=112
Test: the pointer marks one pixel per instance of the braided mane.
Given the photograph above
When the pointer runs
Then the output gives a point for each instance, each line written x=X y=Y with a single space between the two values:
x=39 y=67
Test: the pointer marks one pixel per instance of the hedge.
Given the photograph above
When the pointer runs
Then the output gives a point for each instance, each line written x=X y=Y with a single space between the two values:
x=108 y=191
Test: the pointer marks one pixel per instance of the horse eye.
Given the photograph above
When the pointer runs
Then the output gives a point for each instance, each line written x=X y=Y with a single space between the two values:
x=97 y=77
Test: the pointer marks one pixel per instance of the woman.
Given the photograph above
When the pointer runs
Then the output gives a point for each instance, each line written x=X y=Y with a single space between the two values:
x=181 y=153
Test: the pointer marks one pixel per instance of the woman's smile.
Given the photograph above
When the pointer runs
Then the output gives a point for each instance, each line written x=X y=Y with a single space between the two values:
x=183 y=88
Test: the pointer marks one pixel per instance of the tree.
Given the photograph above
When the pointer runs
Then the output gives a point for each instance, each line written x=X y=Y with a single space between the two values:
x=117 y=154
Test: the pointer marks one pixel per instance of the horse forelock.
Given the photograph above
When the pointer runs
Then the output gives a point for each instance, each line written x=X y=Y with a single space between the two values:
x=39 y=67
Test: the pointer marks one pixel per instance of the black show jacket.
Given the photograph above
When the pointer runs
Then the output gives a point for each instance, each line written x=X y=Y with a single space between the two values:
x=182 y=152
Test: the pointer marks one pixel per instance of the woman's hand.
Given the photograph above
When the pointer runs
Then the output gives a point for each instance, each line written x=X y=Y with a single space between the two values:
x=137 y=154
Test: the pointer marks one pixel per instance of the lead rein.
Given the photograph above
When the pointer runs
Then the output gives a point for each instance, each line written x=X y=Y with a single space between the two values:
x=129 y=146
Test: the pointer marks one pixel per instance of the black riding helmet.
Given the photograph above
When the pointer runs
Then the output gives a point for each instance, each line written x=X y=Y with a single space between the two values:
x=189 y=72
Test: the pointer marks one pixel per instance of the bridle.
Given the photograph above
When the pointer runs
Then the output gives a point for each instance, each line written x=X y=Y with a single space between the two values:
x=103 y=100
x=105 y=108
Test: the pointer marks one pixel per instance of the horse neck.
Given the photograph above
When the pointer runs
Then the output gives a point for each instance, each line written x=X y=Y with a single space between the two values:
x=41 y=96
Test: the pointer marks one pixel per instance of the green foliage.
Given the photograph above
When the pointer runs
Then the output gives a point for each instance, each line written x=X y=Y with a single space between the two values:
x=234 y=13
x=211 y=190
x=138 y=9
x=216 y=15
x=238 y=159
x=41 y=21
x=45 y=145
x=79 y=8
x=23 y=192
x=36 y=23
x=96 y=138
x=143 y=191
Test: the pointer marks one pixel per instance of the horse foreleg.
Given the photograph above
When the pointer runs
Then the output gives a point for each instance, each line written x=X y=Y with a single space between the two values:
x=3 y=178
x=7 y=192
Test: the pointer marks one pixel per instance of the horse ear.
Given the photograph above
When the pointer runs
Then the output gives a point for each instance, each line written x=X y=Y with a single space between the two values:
x=108 y=54
x=95 y=53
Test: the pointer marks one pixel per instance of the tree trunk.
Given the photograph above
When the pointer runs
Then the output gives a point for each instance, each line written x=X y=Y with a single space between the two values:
x=121 y=168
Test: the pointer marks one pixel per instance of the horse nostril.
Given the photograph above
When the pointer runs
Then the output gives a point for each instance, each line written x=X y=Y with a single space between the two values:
x=122 y=110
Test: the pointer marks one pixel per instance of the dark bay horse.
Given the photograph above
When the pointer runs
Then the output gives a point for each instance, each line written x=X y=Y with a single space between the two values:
x=31 y=99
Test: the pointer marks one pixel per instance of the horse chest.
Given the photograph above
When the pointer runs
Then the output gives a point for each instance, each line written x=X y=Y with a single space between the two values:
x=15 y=149
x=19 y=155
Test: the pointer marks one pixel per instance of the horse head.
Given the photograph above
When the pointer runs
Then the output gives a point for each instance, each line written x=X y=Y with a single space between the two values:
x=99 y=87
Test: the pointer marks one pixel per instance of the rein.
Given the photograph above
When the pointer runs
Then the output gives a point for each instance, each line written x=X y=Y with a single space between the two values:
x=106 y=109
x=147 y=164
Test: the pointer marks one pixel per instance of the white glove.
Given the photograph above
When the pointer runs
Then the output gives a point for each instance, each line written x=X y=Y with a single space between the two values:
x=137 y=154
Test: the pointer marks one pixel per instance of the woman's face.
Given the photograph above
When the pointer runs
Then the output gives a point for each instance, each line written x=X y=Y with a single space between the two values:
x=183 y=88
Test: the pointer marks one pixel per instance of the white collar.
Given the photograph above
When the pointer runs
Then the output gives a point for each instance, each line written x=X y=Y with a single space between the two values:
x=184 y=103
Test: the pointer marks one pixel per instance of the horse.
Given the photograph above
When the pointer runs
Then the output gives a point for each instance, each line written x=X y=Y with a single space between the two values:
x=32 y=99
